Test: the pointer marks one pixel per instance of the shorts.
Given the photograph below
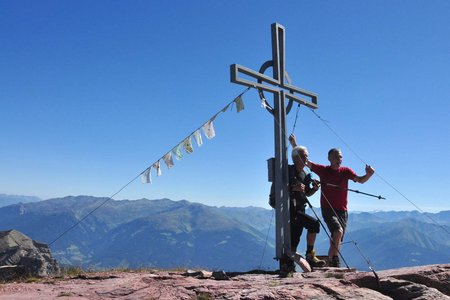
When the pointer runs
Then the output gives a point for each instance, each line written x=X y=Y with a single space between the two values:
x=335 y=222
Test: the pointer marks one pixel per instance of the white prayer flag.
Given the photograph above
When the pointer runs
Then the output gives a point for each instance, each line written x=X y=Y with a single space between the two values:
x=208 y=129
x=168 y=160
x=146 y=176
x=264 y=103
x=187 y=145
x=177 y=152
x=239 y=104
x=198 y=138
x=157 y=166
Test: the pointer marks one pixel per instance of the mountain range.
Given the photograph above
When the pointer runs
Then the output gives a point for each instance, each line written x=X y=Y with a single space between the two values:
x=6 y=200
x=179 y=234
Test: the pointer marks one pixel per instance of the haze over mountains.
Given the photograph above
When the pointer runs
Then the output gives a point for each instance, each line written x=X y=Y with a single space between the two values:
x=179 y=234
x=13 y=199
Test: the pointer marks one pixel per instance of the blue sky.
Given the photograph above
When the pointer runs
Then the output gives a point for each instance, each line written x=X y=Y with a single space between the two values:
x=93 y=92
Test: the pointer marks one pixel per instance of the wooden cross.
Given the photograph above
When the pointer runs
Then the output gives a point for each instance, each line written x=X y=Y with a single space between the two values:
x=281 y=90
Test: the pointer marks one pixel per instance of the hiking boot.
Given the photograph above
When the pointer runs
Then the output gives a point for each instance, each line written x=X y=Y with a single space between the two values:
x=287 y=268
x=313 y=261
x=335 y=262
x=303 y=263
x=286 y=274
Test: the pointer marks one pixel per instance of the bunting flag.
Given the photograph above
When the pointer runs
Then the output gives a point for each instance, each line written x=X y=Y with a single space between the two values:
x=187 y=145
x=157 y=166
x=168 y=160
x=146 y=177
x=264 y=103
x=177 y=152
x=198 y=137
x=208 y=129
x=239 y=103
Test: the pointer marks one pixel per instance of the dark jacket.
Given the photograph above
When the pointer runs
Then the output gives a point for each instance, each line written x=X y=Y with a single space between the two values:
x=297 y=198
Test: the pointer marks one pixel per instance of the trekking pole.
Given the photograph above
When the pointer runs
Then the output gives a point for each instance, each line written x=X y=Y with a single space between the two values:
x=329 y=236
x=355 y=191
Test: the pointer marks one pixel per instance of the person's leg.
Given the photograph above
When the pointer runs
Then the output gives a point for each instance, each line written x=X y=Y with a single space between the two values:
x=335 y=242
x=310 y=241
x=313 y=227
x=332 y=219
x=296 y=230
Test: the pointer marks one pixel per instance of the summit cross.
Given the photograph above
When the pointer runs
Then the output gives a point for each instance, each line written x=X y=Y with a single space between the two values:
x=280 y=86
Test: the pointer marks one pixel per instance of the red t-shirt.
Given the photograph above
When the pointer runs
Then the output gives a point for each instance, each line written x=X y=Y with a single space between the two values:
x=336 y=196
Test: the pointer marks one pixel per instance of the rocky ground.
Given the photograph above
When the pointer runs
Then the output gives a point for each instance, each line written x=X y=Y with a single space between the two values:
x=427 y=282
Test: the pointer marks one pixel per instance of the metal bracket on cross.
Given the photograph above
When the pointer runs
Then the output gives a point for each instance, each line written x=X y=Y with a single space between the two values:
x=281 y=88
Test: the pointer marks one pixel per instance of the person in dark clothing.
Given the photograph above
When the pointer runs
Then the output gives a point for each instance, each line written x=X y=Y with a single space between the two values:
x=301 y=186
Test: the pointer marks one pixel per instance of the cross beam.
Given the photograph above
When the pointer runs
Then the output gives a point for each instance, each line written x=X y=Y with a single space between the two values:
x=281 y=90
x=279 y=71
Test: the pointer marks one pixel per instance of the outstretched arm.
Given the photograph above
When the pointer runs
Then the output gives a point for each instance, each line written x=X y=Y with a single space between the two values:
x=292 y=140
x=369 y=173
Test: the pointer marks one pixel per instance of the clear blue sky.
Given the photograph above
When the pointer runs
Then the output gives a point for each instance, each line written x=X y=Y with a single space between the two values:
x=93 y=92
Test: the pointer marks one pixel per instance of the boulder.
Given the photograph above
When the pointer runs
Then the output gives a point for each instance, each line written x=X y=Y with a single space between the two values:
x=21 y=257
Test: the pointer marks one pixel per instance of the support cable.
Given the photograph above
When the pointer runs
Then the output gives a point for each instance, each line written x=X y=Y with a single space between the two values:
x=92 y=211
x=379 y=176
x=267 y=236
x=371 y=268
x=328 y=234
x=296 y=117
x=273 y=210
x=122 y=188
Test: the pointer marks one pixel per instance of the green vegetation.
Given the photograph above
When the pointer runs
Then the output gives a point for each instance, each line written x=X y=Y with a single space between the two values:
x=32 y=280
x=203 y=296
x=72 y=271
x=273 y=283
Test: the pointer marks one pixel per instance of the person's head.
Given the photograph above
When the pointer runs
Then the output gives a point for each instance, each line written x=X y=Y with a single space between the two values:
x=335 y=157
x=299 y=156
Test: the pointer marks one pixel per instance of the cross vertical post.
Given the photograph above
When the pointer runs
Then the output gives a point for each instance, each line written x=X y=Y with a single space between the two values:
x=281 y=180
x=281 y=91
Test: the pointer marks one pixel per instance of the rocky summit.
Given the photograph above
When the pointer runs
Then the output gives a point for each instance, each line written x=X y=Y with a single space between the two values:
x=426 y=282
x=21 y=256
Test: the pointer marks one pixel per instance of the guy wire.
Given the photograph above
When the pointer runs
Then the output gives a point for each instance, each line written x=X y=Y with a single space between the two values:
x=379 y=176
x=122 y=188
x=349 y=235
x=328 y=234
x=267 y=236
x=92 y=211
x=296 y=117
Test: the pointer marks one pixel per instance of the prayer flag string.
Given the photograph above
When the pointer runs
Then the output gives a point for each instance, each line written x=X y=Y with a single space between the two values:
x=186 y=143
x=167 y=158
